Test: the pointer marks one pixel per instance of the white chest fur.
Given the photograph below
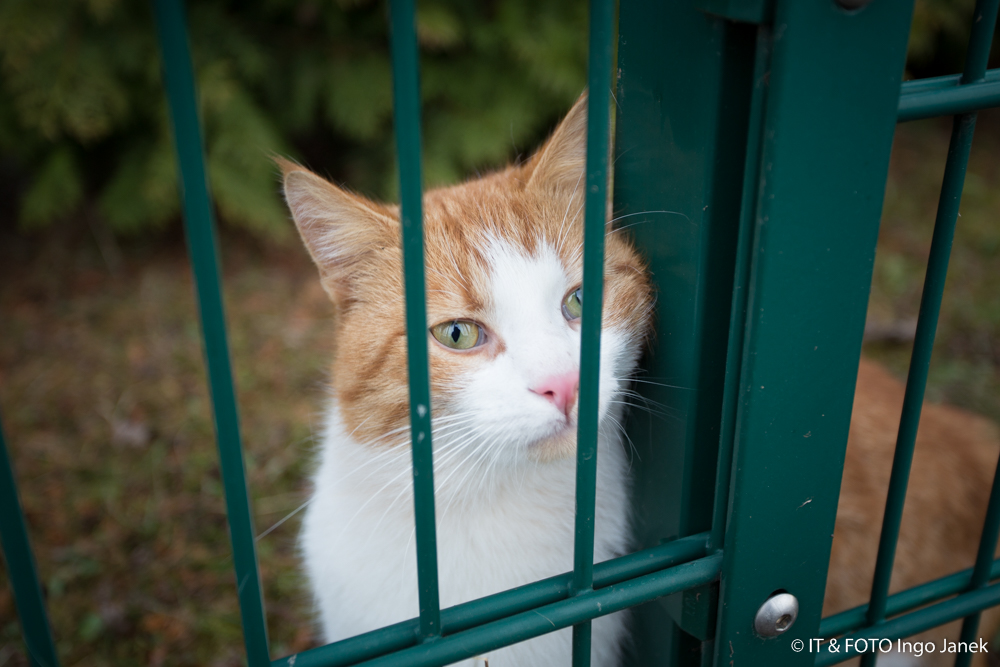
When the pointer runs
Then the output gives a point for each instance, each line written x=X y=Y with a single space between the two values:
x=494 y=533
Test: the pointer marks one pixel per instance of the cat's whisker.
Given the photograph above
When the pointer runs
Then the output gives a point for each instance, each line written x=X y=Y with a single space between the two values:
x=464 y=283
x=400 y=452
x=363 y=422
x=395 y=454
x=661 y=384
x=385 y=513
x=629 y=215
x=373 y=497
x=453 y=494
x=562 y=224
x=451 y=456
x=454 y=491
x=644 y=408
x=631 y=393
x=479 y=453
x=286 y=518
x=631 y=445
x=495 y=450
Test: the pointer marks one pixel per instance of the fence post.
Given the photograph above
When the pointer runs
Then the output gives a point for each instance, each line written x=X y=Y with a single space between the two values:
x=829 y=119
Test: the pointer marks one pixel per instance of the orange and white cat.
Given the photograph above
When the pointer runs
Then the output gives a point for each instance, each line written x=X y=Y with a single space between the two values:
x=503 y=258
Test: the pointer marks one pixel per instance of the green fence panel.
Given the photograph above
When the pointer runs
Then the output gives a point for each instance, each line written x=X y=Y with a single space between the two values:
x=755 y=194
x=682 y=112
x=829 y=119
x=21 y=572
x=199 y=228
x=406 y=115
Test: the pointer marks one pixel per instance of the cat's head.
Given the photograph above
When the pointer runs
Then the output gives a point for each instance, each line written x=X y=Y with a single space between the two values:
x=503 y=269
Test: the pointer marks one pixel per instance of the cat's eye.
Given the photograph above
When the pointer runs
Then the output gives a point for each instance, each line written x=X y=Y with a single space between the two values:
x=572 y=306
x=458 y=334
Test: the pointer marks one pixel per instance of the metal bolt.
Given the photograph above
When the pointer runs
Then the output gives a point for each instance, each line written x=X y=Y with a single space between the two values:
x=776 y=615
x=851 y=5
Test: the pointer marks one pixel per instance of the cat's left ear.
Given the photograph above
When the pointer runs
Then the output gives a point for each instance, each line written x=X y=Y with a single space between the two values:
x=557 y=170
x=561 y=162
x=559 y=165
x=341 y=230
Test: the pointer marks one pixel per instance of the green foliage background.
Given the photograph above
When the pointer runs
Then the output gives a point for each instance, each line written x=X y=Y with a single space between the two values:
x=84 y=129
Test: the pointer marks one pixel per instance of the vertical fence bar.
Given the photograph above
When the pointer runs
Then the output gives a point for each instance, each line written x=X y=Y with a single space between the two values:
x=21 y=569
x=199 y=227
x=741 y=284
x=982 y=570
x=406 y=113
x=984 y=20
x=595 y=214
x=923 y=344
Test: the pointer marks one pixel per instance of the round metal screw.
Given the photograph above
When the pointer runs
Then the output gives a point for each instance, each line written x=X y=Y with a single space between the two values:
x=776 y=615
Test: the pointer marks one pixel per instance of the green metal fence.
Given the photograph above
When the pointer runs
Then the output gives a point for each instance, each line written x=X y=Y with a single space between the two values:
x=766 y=125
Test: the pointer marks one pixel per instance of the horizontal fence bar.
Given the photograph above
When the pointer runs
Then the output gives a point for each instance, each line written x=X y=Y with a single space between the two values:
x=572 y=611
x=914 y=622
x=199 y=227
x=406 y=119
x=937 y=82
x=903 y=601
x=494 y=607
x=22 y=575
x=943 y=96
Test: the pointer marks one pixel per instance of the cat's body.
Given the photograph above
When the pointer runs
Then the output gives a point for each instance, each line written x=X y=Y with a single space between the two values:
x=503 y=268
x=953 y=466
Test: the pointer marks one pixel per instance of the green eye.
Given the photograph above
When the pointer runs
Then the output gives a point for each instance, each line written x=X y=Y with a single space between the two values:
x=458 y=334
x=573 y=304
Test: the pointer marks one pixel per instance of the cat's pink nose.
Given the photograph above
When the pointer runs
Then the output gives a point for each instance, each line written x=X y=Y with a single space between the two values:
x=560 y=389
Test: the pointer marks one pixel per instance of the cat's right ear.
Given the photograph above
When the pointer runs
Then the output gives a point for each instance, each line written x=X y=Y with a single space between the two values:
x=340 y=229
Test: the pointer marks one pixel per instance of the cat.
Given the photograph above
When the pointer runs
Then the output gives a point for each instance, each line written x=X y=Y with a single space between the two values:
x=953 y=466
x=503 y=258
x=503 y=271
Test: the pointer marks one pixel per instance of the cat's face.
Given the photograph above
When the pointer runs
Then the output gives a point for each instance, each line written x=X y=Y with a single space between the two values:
x=504 y=263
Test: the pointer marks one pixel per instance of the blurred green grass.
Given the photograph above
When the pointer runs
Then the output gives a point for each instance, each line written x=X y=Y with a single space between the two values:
x=965 y=369
x=107 y=414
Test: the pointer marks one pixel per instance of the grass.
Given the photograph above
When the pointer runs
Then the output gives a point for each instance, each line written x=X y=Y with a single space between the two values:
x=107 y=414
x=965 y=369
